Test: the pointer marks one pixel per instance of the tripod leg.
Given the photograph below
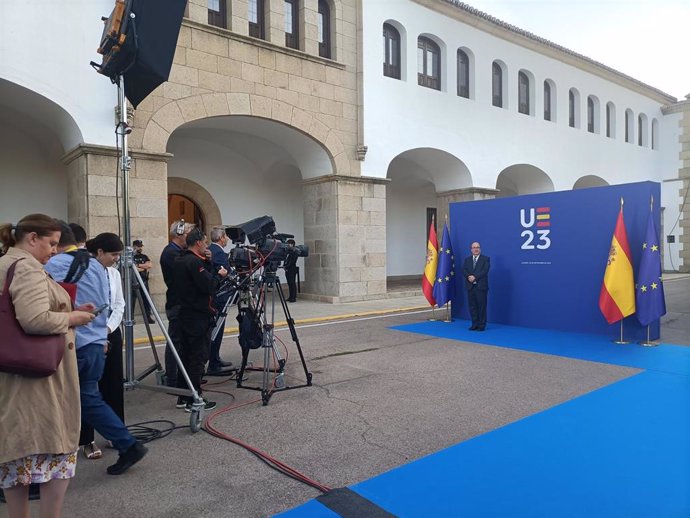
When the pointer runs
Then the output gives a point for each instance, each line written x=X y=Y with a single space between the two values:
x=293 y=332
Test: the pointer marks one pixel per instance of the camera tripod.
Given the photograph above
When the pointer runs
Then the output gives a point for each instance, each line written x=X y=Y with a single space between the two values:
x=270 y=285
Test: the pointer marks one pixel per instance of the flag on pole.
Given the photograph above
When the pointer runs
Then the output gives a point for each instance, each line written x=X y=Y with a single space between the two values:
x=444 y=289
x=617 y=296
x=649 y=290
x=429 y=277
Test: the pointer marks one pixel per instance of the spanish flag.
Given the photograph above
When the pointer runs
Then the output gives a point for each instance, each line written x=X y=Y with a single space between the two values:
x=431 y=263
x=617 y=297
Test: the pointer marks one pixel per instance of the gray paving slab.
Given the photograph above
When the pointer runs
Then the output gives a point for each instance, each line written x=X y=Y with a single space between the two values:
x=380 y=398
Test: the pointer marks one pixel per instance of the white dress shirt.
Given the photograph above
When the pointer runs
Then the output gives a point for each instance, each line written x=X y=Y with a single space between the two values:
x=117 y=300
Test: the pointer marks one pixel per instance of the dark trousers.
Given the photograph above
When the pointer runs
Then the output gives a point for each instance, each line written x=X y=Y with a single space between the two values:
x=110 y=384
x=174 y=332
x=147 y=306
x=477 y=303
x=194 y=348
x=214 y=353
x=94 y=411
x=291 y=278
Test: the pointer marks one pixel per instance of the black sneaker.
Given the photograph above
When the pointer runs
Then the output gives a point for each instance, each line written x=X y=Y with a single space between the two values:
x=208 y=405
x=128 y=459
x=181 y=402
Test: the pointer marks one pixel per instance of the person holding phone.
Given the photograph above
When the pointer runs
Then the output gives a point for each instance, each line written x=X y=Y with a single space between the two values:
x=94 y=286
x=39 y=429
x=107 y=248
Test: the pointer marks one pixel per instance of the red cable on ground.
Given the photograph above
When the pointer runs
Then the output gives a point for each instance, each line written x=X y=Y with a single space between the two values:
x=268 y=459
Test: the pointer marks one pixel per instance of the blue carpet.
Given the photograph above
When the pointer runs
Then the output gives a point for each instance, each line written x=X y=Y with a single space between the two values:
x=663 y=358
x=620 y=451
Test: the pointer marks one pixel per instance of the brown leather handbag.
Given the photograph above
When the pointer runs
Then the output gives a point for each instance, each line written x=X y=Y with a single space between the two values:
x=34 y=356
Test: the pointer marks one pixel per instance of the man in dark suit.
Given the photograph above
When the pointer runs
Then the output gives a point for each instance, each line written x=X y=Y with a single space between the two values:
x=219 y=258
x=475 y=270
x=291 y=271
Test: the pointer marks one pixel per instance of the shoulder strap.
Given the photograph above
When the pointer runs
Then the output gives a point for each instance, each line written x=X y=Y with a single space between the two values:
x=79 y=265
x=5 y=298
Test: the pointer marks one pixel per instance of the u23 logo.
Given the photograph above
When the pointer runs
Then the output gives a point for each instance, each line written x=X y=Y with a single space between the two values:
x=536 y=223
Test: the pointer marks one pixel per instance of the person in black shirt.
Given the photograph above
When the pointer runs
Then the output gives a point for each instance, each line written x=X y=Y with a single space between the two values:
x=143 y=266
x=196 y=284
x=178 y=233
x=291 y=271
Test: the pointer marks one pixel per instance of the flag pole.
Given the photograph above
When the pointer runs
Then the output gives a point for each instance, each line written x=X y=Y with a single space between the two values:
x=448 y=319
x=621 y=341
x=432 y=318
x=649 y=343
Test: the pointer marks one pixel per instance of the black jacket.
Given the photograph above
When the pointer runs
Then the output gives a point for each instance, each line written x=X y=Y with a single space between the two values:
x=168 y=256
x=194 y=284
x=480 y=272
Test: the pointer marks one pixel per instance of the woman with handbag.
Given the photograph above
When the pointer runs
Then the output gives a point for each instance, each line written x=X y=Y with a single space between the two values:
x=39 y=413
x=107 y=248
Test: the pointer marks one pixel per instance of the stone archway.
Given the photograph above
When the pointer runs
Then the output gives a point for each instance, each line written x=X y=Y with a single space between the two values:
x=174 y=114
x=200 y=196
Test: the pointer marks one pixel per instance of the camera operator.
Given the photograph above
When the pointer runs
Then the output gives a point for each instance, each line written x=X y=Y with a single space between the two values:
x=195 y=284
x=219 y=258
x=178 y=233
x=291 y=270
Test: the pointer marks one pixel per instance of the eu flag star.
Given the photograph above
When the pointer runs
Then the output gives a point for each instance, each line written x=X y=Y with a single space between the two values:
x=654 y=285
x=644 y=245
x=655 y=248
x=643 y=288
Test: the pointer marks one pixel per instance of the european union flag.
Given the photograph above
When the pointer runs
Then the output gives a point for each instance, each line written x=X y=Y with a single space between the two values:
x=444 y=287
x=649 y=290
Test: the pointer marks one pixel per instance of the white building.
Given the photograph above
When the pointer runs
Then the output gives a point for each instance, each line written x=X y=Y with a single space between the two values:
x=296 y=109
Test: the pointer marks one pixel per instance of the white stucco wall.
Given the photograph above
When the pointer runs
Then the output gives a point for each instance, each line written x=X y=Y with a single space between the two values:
x=46 y=47
x=244 y=188
x=400 y=115
x=33 y=178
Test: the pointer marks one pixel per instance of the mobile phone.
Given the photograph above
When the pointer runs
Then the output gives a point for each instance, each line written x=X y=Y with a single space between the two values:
x=97 y=311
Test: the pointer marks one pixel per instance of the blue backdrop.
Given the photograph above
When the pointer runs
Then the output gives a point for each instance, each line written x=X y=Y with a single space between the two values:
x=549 y=252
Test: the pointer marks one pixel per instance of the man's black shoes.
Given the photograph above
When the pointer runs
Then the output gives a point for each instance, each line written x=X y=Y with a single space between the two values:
x=128 y=459
x=473 y=328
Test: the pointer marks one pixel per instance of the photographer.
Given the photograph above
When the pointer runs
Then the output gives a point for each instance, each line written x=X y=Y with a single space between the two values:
x=195 y=284
x=219 y=258
x=291 y=270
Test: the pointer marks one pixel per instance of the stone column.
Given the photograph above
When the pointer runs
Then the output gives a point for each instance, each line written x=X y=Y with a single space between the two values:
x=345 y=228
x=198 y=10
x=684 y=175
x=93 y=181
x=239 y=17
x=445 y=198
x=309 y=27
x=275 y=21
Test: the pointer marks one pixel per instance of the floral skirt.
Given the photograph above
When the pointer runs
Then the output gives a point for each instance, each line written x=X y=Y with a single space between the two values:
x=36 y=469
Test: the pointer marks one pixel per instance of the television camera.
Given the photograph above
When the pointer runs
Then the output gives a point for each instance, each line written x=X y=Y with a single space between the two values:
x=254 y=286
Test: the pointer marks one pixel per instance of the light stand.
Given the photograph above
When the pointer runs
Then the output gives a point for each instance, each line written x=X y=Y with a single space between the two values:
x=129 y=272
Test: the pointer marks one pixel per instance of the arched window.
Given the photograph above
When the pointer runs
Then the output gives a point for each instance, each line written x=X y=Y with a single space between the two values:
x=574 y=108
x=496 y=85
x=590 y=115
x=523 y=93
x=463 y=74
x=324 y=29
x=629 y=126
x=547 y=101
x=593 y=125
x=217 y=13
x=391 y=51
x=428 y=63
x=610 y=120
x=255 y=13
x=291 y=23
x=642 y=130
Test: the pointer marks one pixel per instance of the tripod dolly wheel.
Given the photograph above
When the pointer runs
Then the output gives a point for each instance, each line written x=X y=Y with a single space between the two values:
x=195 y=420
